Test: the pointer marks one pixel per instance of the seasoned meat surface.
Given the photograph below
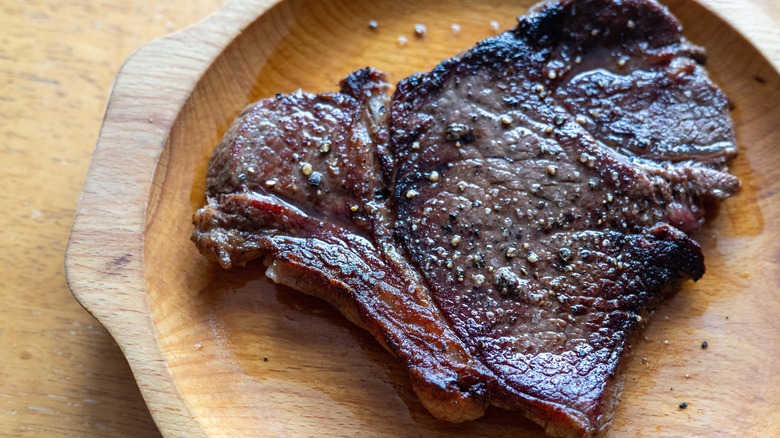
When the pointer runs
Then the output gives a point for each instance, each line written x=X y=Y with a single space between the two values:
x=504 y=224
x=330 y=237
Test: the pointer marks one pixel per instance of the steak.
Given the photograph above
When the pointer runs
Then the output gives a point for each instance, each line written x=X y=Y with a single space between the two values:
x=505 y=224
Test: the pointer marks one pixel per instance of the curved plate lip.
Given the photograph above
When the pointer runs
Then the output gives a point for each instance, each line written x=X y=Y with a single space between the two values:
x=758 y=30
x=120 y=252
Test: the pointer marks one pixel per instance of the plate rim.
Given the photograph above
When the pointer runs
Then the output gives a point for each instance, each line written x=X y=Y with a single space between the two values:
x=120 y=256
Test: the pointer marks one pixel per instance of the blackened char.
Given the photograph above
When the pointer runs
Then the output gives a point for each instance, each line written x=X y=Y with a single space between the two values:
x=504 y=224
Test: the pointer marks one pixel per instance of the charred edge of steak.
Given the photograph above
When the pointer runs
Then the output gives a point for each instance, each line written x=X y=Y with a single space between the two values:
x=672 y=257
x=369 y=288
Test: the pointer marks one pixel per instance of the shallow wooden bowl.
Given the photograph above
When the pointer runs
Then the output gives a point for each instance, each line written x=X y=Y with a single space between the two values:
x=228 y=353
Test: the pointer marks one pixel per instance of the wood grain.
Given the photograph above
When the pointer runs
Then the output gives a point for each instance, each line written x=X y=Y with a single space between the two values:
x=61 y=374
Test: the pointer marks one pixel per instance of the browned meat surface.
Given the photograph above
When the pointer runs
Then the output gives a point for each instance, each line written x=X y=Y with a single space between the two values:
x=327 y=235
x=504 y=224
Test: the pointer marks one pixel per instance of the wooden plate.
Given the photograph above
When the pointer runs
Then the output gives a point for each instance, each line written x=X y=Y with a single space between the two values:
x=228 y=353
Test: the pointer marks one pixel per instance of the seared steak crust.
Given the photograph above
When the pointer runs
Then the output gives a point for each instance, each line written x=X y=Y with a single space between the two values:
x=329 y=237
x=504 y=224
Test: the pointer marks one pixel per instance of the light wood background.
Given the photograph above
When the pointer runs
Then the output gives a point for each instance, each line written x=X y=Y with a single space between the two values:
x=61 y=374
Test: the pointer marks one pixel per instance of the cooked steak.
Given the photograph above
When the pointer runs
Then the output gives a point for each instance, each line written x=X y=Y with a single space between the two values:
x=504 y=224
x=297 y=180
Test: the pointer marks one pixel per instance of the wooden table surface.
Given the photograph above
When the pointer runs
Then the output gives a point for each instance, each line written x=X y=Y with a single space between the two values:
x=61 y=374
